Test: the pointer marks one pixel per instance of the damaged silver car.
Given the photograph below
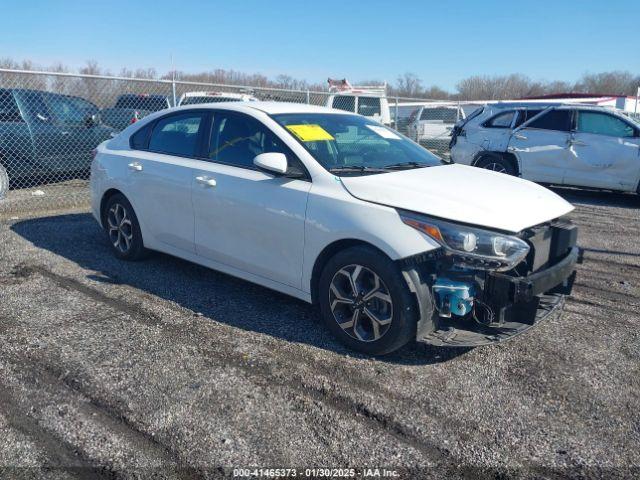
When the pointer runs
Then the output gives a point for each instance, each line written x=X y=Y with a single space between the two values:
x=574 y=145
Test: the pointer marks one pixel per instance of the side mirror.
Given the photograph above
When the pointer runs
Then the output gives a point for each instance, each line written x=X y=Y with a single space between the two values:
x=273 y=162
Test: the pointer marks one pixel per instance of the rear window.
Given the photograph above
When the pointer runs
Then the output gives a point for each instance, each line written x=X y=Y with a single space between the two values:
x=445 y=115
x=198 y=100
x=152 y=103
x=369 y=106
x=344 y=102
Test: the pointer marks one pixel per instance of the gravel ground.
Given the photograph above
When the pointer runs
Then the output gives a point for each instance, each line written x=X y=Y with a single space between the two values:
x=166 y=369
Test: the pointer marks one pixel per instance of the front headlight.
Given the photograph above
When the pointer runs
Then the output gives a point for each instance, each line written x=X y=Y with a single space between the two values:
x=472 y=247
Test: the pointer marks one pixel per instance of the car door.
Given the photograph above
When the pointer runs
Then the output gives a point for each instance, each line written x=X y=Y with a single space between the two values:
x=160 y=168
x=76 y=131
x=247 y=219
x=541 y=144
x=50 y=147
x=605 y=152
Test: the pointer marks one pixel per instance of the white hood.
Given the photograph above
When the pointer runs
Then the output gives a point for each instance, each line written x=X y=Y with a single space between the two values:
x=463 y=194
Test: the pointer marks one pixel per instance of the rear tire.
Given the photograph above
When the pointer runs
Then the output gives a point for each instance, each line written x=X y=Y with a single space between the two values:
x=122 y=228
x=496 y=163
x=365 y=301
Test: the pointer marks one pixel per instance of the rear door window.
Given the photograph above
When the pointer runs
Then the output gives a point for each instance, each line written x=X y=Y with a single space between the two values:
x=368 y=106
x=9 y=111
x=502 y=120
x=603 y=124
x=344 y=102
x=177 y=134
x=557 y=120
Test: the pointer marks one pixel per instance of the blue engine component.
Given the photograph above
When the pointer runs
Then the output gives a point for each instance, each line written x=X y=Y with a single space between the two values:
x=453 y=297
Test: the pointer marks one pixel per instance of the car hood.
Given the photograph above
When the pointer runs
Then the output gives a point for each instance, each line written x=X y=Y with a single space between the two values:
x=463 y=194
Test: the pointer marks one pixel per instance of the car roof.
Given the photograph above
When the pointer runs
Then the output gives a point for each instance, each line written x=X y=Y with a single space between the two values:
x=214 y=93
x=267 y=107
x=541 y=105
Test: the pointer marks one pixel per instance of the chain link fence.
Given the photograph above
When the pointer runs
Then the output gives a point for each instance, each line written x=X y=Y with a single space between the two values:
x=50 y=123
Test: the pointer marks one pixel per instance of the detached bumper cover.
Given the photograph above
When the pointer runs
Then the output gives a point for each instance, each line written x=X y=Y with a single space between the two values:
x=557 y=278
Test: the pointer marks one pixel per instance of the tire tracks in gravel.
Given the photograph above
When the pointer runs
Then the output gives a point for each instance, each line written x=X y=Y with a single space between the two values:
x=261 y=374
x=61 y=454
x=106 y=416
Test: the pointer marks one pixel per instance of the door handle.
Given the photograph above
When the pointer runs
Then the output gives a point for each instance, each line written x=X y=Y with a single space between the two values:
x=135 y=166
x=206 y=181
x=519 y=136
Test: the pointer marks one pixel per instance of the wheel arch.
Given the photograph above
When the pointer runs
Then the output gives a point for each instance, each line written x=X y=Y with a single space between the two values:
x=105 y=199
x=508 y=156
x=327 y=253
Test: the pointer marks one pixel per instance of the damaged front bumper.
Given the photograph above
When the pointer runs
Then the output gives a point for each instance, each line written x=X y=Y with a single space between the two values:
x=515 y=304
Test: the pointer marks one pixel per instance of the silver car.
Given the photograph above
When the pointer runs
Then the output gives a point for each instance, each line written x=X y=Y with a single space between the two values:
x=560 y=144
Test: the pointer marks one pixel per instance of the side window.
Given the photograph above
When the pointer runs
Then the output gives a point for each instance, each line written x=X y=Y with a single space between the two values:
x=526 y=114
x=603 y=124
x=33 y=107
x=368 y=106
x=236 y=139
x=64 y=110
x=502 y=120
x=177 y=134
x=344 y=102
x=140 y=139
x=9 y=111
x=558 y=120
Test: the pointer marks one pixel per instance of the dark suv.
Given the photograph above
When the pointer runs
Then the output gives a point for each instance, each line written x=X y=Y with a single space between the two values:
x=46 y=136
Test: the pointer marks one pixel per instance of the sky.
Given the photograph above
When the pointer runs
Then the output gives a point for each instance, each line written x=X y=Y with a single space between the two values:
x=440 y=41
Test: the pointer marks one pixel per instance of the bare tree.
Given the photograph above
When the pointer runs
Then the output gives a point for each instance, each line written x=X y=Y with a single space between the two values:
x=616 y=83
x=408 y=85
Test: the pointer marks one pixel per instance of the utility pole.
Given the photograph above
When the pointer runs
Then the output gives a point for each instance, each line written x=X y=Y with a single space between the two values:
x=173 y=81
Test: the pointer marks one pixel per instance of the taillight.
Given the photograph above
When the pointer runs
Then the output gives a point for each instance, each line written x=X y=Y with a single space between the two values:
x=135 y=118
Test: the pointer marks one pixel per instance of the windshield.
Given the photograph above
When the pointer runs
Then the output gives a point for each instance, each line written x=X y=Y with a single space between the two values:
x=354 y=145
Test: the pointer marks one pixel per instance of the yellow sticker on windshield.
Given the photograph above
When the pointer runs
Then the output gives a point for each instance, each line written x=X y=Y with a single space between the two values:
x=310 y=133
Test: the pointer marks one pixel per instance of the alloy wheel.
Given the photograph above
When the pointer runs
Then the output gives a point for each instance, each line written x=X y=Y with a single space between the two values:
x=120 y=228
x=361 y=303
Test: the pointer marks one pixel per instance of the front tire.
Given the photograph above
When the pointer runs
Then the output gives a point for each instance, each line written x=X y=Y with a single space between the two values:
x=365 y=301
x=122 y=228
x=496 y=163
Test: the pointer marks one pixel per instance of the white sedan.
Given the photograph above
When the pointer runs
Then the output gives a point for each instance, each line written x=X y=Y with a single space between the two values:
x=330 y=207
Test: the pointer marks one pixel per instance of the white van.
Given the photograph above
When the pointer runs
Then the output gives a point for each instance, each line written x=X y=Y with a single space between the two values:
x=366 y=100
